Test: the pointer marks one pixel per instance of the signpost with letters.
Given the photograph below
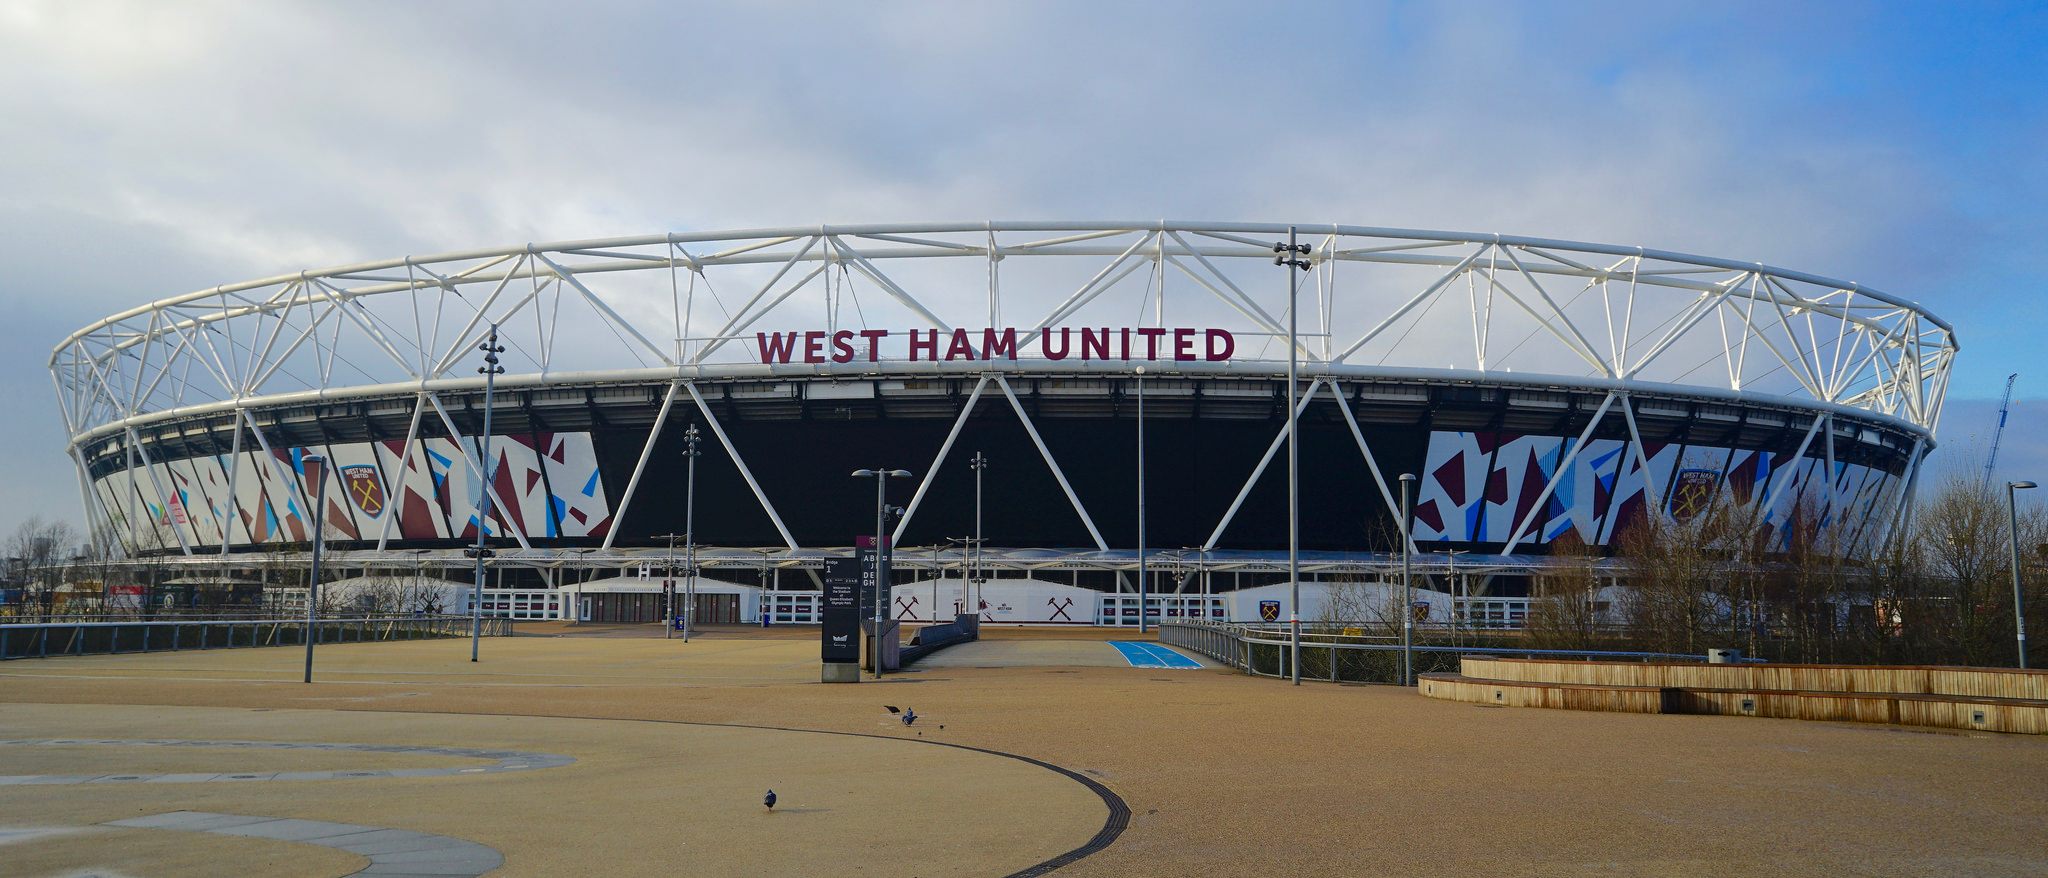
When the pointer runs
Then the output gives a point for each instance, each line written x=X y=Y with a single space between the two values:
x=874 y=587
x=841 y=635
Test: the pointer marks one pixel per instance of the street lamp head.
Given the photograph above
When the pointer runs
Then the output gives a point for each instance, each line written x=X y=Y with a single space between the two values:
x=1407 y=477
x=899 y=473
x=2021 y=485
x=863 y=473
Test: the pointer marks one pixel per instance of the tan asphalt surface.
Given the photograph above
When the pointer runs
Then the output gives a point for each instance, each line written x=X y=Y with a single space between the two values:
x=1224 y=774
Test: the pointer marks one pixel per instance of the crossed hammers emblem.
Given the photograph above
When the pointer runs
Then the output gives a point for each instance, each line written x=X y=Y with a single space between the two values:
x=1059 y=607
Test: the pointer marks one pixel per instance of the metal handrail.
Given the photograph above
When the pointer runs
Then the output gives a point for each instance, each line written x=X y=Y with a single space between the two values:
x=1233 y=644
x=36 y=640
x=234 y=620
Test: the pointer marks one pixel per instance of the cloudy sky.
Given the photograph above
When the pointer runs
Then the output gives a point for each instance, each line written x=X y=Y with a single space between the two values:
x=149 y=149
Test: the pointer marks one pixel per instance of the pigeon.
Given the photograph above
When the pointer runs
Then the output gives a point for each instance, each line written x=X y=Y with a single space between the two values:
x=909 y=716
x=769 y=800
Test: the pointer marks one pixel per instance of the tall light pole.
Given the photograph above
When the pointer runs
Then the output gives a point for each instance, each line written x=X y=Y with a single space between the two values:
x=938 y=573
x=1142 y=608
x=316 y=470
x=690 y=438
x=419 y=568
x=2019 y=618
x=881 y=477
x=490 y=370
x=1453 y=577
x=1407 y=596
x=979 y=463
x=668 y=591
x=1290 y=256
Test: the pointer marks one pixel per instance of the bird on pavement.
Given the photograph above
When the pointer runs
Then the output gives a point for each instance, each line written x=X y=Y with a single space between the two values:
x=769 y=800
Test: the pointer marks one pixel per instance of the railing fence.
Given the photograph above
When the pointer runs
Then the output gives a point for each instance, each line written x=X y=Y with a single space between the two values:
x=1337 y=658
x=45 y=639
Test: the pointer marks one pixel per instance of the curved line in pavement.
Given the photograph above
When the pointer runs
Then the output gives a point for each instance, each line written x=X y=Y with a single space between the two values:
x=1113 y=825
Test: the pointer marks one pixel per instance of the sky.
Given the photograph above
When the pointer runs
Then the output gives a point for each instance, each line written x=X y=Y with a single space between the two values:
x=150 y=149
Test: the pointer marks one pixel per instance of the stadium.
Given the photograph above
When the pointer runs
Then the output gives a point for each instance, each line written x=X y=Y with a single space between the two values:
x=1539 y=390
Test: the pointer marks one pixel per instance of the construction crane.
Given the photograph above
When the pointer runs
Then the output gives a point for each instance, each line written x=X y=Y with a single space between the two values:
x=2004 y=408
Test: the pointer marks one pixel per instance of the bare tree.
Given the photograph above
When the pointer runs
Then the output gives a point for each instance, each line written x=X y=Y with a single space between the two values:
x=44 y=549
x=1562 y=609
x=1679 y=576
x=1962 y=539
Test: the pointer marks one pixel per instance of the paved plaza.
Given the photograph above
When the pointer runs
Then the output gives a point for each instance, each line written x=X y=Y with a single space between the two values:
x=635 y=755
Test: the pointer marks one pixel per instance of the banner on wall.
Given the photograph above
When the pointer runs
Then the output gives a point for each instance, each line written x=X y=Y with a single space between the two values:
x=546 y=486
x=1479 y=487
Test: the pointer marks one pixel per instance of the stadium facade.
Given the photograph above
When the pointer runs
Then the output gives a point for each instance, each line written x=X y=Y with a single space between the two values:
x=1540 y=390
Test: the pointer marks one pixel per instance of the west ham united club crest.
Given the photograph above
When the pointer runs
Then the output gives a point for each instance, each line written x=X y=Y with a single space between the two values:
x=363 y=488
x=1693 y=493
x=1269 y=610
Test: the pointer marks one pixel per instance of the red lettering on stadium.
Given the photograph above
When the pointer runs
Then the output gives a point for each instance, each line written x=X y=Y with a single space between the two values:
x=1182 y=344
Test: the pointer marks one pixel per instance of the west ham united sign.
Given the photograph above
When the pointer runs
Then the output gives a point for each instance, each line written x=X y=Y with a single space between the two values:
x=1147 y=343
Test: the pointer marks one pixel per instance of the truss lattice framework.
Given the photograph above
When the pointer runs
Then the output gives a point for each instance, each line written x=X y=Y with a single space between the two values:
x=672 y=305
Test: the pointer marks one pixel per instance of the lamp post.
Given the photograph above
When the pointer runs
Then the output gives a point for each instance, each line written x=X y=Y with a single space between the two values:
x=490 y=370
x=1142 y=607
x=1407 y=597
x=938 y=570
x=881 y=477
x=2019 y=619
x=967 y=546
x=668 y=590
x=979 y=463
x=1452 y=575
x=568 y=604
x=690 y=438
x=316 y=471
x=1290 y=257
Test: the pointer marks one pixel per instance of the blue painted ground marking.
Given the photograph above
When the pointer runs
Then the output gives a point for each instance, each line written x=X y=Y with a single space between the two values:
x=1152 y=655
